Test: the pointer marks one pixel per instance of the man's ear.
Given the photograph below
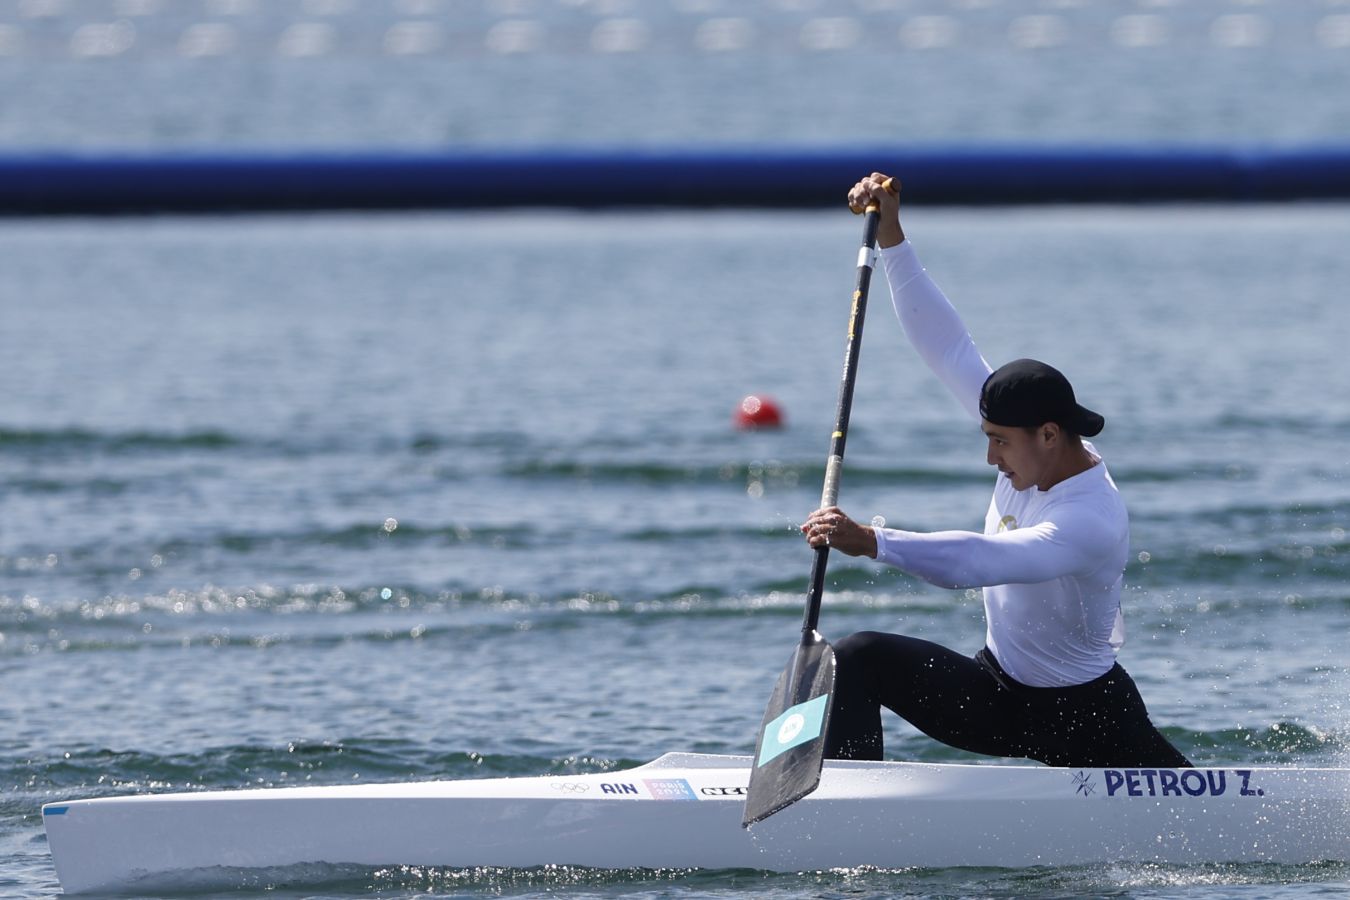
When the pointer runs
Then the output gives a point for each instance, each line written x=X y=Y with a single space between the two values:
x=1050 y=434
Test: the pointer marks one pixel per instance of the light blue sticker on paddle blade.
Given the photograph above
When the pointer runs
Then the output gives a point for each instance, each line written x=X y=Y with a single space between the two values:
x=796 y=726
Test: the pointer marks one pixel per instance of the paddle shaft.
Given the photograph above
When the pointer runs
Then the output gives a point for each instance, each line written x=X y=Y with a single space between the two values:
x=830 y=495
x=790 y=750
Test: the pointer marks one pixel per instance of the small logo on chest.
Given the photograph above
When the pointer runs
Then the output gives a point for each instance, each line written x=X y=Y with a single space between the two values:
x=1007 y=523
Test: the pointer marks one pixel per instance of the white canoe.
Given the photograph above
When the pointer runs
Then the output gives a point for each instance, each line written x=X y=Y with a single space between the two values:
x=684 y=811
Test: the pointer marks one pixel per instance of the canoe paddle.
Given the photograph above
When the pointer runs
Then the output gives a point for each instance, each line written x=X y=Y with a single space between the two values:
x=791 y=746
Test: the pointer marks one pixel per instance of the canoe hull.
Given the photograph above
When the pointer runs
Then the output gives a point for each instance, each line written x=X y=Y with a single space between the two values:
x=684 y=811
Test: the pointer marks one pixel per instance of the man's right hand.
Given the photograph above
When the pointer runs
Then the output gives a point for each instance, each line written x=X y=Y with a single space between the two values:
x=830 y=527
x=872 y=189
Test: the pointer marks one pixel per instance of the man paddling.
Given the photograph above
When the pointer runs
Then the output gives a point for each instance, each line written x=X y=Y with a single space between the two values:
x=1046 y=686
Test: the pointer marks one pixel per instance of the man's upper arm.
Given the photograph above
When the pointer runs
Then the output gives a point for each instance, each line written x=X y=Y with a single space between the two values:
x=934 y=327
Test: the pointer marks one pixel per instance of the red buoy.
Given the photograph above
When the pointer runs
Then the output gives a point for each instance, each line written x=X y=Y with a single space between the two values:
x=758 y=412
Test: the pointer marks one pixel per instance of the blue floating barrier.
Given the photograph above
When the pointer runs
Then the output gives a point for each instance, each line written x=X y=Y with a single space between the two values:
x=589 y=178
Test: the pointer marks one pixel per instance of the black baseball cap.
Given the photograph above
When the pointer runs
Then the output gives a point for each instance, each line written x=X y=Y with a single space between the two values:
x=1026 y=393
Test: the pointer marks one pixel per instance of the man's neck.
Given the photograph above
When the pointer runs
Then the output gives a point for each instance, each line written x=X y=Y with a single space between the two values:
x=1075 y=461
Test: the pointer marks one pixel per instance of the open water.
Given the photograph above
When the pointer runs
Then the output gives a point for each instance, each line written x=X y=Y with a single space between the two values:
x=300 y=500
x=306 y=500
x=150 y=75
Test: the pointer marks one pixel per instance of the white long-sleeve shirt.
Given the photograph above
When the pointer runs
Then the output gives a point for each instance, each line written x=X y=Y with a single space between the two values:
x=1051 y=563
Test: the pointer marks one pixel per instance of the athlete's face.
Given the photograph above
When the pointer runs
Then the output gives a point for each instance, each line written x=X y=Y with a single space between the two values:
x=1023 y=454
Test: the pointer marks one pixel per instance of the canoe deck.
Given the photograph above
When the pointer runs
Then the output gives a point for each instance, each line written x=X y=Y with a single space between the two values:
x=684 y=811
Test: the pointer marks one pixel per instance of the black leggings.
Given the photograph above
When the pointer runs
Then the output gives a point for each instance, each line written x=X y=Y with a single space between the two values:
x=972 y=704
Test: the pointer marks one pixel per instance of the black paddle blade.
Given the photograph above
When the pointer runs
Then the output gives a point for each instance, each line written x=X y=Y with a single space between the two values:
x=791 y=745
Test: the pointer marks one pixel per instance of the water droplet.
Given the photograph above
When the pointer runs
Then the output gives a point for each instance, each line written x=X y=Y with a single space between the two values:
x=390 y=525
x=878 y=521
x=385 y=593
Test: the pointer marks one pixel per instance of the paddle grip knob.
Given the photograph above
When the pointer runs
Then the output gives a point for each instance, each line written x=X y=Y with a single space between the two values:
x=873 y=206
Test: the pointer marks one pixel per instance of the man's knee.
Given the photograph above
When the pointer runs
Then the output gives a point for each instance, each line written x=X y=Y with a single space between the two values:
x=856 y=648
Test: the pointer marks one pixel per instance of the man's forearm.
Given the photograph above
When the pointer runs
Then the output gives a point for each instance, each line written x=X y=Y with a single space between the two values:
x=889 y=233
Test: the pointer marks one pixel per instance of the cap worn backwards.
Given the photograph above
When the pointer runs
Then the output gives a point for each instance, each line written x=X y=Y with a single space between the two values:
x=1026 y=393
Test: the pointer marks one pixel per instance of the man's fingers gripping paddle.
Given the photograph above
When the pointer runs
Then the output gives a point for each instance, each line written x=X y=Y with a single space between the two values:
x=876 y=191
x=831 y=527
